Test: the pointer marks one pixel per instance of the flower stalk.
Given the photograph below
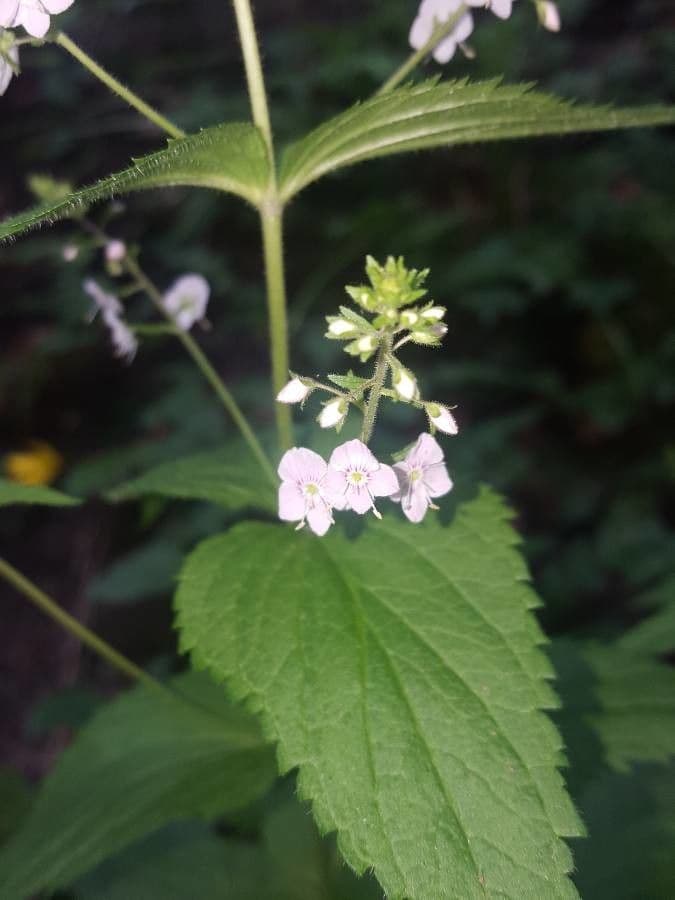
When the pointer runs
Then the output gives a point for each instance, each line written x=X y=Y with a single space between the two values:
x=379 y=378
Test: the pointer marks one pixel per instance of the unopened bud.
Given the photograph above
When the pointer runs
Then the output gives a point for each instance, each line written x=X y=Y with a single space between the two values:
x=549 y=15
x=441 y=418
x=294 y=392
x=70 y=252
x=333 y=414
x=367 y=344
x=340 y=327
x=405 y=384
x=434 y=313
x=115 y=251
x=409 y=317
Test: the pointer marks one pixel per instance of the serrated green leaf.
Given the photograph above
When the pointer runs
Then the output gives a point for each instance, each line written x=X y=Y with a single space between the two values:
x=233 y=481
x=444 y=114
x=230 y=157
x=348 y=382
x=148 y=759
x=12 y=493
x=401 y=673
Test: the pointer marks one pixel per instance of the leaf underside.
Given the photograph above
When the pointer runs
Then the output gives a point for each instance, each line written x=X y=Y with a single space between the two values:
x=401 y=673
x=143 y=761
x=12 y=494
x=230 y=157
x=433 y=114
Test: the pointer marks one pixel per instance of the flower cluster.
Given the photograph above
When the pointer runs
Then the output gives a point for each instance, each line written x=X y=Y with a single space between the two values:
x=352 y=478
x=35 y=17
x=457 y=16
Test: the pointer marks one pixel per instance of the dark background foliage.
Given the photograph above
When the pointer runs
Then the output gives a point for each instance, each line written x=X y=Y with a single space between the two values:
x=555 y=258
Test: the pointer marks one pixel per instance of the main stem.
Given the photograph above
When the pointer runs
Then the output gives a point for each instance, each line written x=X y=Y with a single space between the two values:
x=379 y=377
x=117 y=87
x=271 y=215
x=441 y=31
x=206 y=369
x=33 y=593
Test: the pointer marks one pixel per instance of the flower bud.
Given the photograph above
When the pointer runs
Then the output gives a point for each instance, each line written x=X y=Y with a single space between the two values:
x=409 y=317
x=70 y=252
x=333 y=414
x=434 y=313
x=294 y=392
x=340 y=327
x=115 y=251
x=441 y=418
x=367 y=344
x=405 y=384
x=549 y=15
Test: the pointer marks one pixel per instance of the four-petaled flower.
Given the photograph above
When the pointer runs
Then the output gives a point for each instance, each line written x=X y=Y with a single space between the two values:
x=435 y=12
x=422 y=477
x=34 y=15
x=187 y=299
x=304 y=494
x=355 y=478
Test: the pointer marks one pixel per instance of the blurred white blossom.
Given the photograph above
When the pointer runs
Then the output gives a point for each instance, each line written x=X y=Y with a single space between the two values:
x=34 y=15
x=549 y=15
x=434 y=12
x=123 y=339
x=187 y=299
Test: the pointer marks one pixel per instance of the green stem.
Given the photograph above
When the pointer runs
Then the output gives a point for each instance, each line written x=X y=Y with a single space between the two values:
x=442 y=30
x=205 y=368
x=254 y=72
x=379 y=377
x=33 y=593
x=272 y=231
x=117 y=87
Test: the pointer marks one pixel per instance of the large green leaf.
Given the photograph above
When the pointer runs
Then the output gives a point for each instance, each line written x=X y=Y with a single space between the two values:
x=231 y=480
x=230 y=157
x=434 y=114
x=401 y=673
x=147 y=759
x=12 y=494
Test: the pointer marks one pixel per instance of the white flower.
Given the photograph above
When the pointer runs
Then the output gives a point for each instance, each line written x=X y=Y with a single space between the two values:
x=340 y=327
x=501 y=8
x=405 y=384
x=294 y=392
x=303 y=495
x=434 y=313
x=115 y=251
x=123 y=339
x=429 y=15
x=333 y=414
x=422 y=477
x=187 y=299
x=549 y=15
x=9 y=58
x=32 y=14
x=441 y=417
x=355 y=478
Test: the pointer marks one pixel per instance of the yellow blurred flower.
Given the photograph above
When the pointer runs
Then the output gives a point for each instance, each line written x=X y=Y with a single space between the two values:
x=40 y=464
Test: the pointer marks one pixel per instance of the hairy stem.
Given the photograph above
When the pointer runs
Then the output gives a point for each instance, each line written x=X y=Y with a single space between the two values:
x=117 y=87
x=33 y=593
x=205 y=368
x=379 y=377
x=441 y=31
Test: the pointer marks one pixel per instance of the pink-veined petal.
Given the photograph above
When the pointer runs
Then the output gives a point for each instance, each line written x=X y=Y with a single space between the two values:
x=359 y=499
x=353 y=455
x=291 y=502
x=334 y=488
x=384 y=482
x=415 y=504
x=301 y=465
x=437 y=481
x=402 y=473
x=426 y=452
x=34 y=20
x=319 y=518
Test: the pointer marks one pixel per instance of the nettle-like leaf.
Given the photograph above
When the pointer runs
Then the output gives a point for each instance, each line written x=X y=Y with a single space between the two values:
x=230 y=157
x=219 y=476
x=147 y=759
x=434 y=114
x=12 y=494
x=401 y=673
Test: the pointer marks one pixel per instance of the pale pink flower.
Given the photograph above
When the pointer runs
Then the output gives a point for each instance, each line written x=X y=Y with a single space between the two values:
x=501 y=8
x=34 y=15
x=303 y=493
x=124 y=341
x=355 y=478
x=422 y=477
x=115 y=251
x=434 y=12
x=187 y=299
x=293 y=392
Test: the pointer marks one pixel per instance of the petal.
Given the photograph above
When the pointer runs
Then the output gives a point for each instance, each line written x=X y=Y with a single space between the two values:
x=301 y=465
x=384 y=482
x=463 y=28
x=359 y=499
x=426 y=452
x=437 y=481
x=501 y=8
x=291 y=503
x=187 y=299
x=57 y=6
x=415 y=505
x=402 y=476
x=33 y=20
x=8 y=11
x=353 y=455
x=421 y=31
x=319 y=518
x=334 y=488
